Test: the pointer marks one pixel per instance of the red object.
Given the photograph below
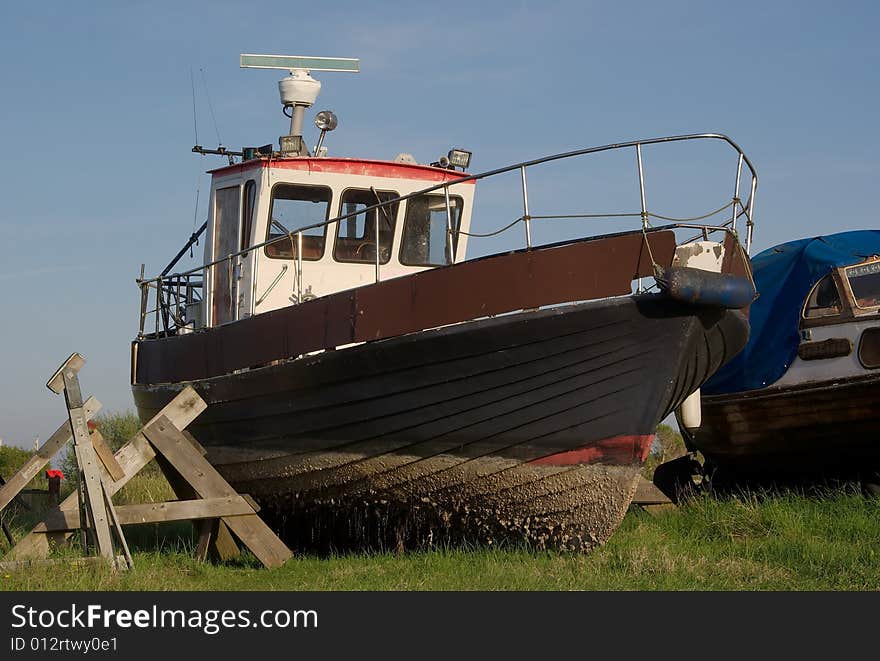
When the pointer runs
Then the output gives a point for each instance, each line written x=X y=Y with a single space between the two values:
x=92 y=425
x=351 y=166
x=54 y=473
x=614 y=450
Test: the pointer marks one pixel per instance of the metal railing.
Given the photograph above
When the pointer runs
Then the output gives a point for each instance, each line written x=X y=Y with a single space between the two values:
x=175 y=293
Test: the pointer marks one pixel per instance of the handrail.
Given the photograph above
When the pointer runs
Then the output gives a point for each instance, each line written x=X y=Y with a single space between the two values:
x=739 y=208
x=490 y=173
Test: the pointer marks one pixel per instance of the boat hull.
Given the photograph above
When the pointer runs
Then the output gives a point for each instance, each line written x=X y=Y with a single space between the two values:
x=811 y=429
x=530 y=426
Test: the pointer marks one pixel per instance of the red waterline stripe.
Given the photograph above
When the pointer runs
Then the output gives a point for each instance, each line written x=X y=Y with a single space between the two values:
x=617 y=450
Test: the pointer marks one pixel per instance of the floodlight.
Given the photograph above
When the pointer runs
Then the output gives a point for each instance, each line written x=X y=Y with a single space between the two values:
x=460 y=158
x=326 y=120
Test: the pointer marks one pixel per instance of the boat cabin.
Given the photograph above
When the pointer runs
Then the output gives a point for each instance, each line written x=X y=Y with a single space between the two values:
x=839 y=327
x=844 y=294
x=258 y=207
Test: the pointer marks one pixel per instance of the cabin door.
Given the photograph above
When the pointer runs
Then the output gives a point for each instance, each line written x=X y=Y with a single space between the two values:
x=226 y=224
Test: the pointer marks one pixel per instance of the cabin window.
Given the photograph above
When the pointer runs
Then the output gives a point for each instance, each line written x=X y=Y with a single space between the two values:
x=864 y=280
x=226 y=228
x=356 y=236
x=424 y=230
x=824 y=301
x=247 y=214
x=294 y=206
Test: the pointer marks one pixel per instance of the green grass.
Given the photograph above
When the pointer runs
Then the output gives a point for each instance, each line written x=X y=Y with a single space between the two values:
x=772 y=542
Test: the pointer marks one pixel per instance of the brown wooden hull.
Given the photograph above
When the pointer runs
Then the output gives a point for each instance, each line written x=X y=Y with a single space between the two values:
x=528 y=426
x=830 y=427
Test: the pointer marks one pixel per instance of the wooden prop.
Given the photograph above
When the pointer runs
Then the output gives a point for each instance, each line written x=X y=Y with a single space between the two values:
x=3 y=525
x=650 y=498
x=205 y=496
x=95 y=509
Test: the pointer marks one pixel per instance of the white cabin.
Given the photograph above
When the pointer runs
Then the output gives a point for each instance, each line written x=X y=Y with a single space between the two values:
x=270 y=198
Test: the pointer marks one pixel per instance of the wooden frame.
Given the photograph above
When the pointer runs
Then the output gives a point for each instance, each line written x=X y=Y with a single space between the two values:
x=205 y=496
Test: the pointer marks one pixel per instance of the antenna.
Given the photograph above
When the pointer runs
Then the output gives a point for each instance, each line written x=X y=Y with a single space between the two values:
x=298 y=90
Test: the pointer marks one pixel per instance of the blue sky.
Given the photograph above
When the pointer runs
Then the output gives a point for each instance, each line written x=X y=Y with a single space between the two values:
x=97 y=125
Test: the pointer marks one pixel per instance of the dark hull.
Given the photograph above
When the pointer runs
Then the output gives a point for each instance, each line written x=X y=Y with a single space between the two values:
x=531 y=425
x=829 y=428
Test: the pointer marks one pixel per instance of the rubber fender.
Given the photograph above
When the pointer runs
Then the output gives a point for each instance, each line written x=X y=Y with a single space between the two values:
x=692 y=411
x=698 y=287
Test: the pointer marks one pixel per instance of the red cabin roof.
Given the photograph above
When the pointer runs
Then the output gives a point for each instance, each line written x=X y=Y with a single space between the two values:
x=356 y=166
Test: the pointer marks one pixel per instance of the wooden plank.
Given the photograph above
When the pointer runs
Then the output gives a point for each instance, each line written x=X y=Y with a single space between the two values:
x=178 y=510
x=223 y=544
x=216 y=541
x=250 y=501
x=105 y=454
x=15 y=565
x=88 y=466
x=648 y=494
x=208 y=483
x=195 y=443
x=184 y=510
x=74 y=363
x=3 y=526
x=117 y=528
x=204 y=529
x=43 y=456
x=180 y=411
x=132 y=457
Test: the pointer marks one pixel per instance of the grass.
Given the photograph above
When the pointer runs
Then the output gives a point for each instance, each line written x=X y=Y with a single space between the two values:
x=751 y=541
x=783 y=541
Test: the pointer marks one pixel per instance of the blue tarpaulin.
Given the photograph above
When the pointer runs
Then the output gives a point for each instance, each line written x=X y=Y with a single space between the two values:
x=784 y=276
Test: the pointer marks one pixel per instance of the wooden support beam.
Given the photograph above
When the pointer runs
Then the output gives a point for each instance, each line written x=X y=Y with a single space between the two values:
x=3 y=526
x=223 y=542
x=105 y=454
x=117 y=528
x=44 y=455
x=203 y=528
x=15 y=565
x=208 y=483
x=210 y=498
x=136 y=454
x=73 y=364
x=215 y=540
x=178 y=510
x=88 y=465
x=7 y=533
x=648 y=494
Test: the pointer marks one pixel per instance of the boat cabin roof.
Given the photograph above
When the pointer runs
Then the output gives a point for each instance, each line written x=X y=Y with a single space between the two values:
x=426 y=174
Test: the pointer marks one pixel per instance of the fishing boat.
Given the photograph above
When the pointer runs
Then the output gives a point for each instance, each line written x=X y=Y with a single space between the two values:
x=366 y=381
x=799 y=402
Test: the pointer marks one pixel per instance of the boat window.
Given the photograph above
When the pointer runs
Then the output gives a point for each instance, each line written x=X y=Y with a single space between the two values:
x=247 y=215
x=864 y=280
x=226 y=228
x=424 y=230
x=356 y=237
x=824 y=301
x=292 y=207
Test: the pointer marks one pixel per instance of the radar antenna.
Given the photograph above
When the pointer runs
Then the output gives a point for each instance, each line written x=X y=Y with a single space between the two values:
x=298 y=90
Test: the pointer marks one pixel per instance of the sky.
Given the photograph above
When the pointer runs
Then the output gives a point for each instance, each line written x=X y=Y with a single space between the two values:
x=97 y=124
